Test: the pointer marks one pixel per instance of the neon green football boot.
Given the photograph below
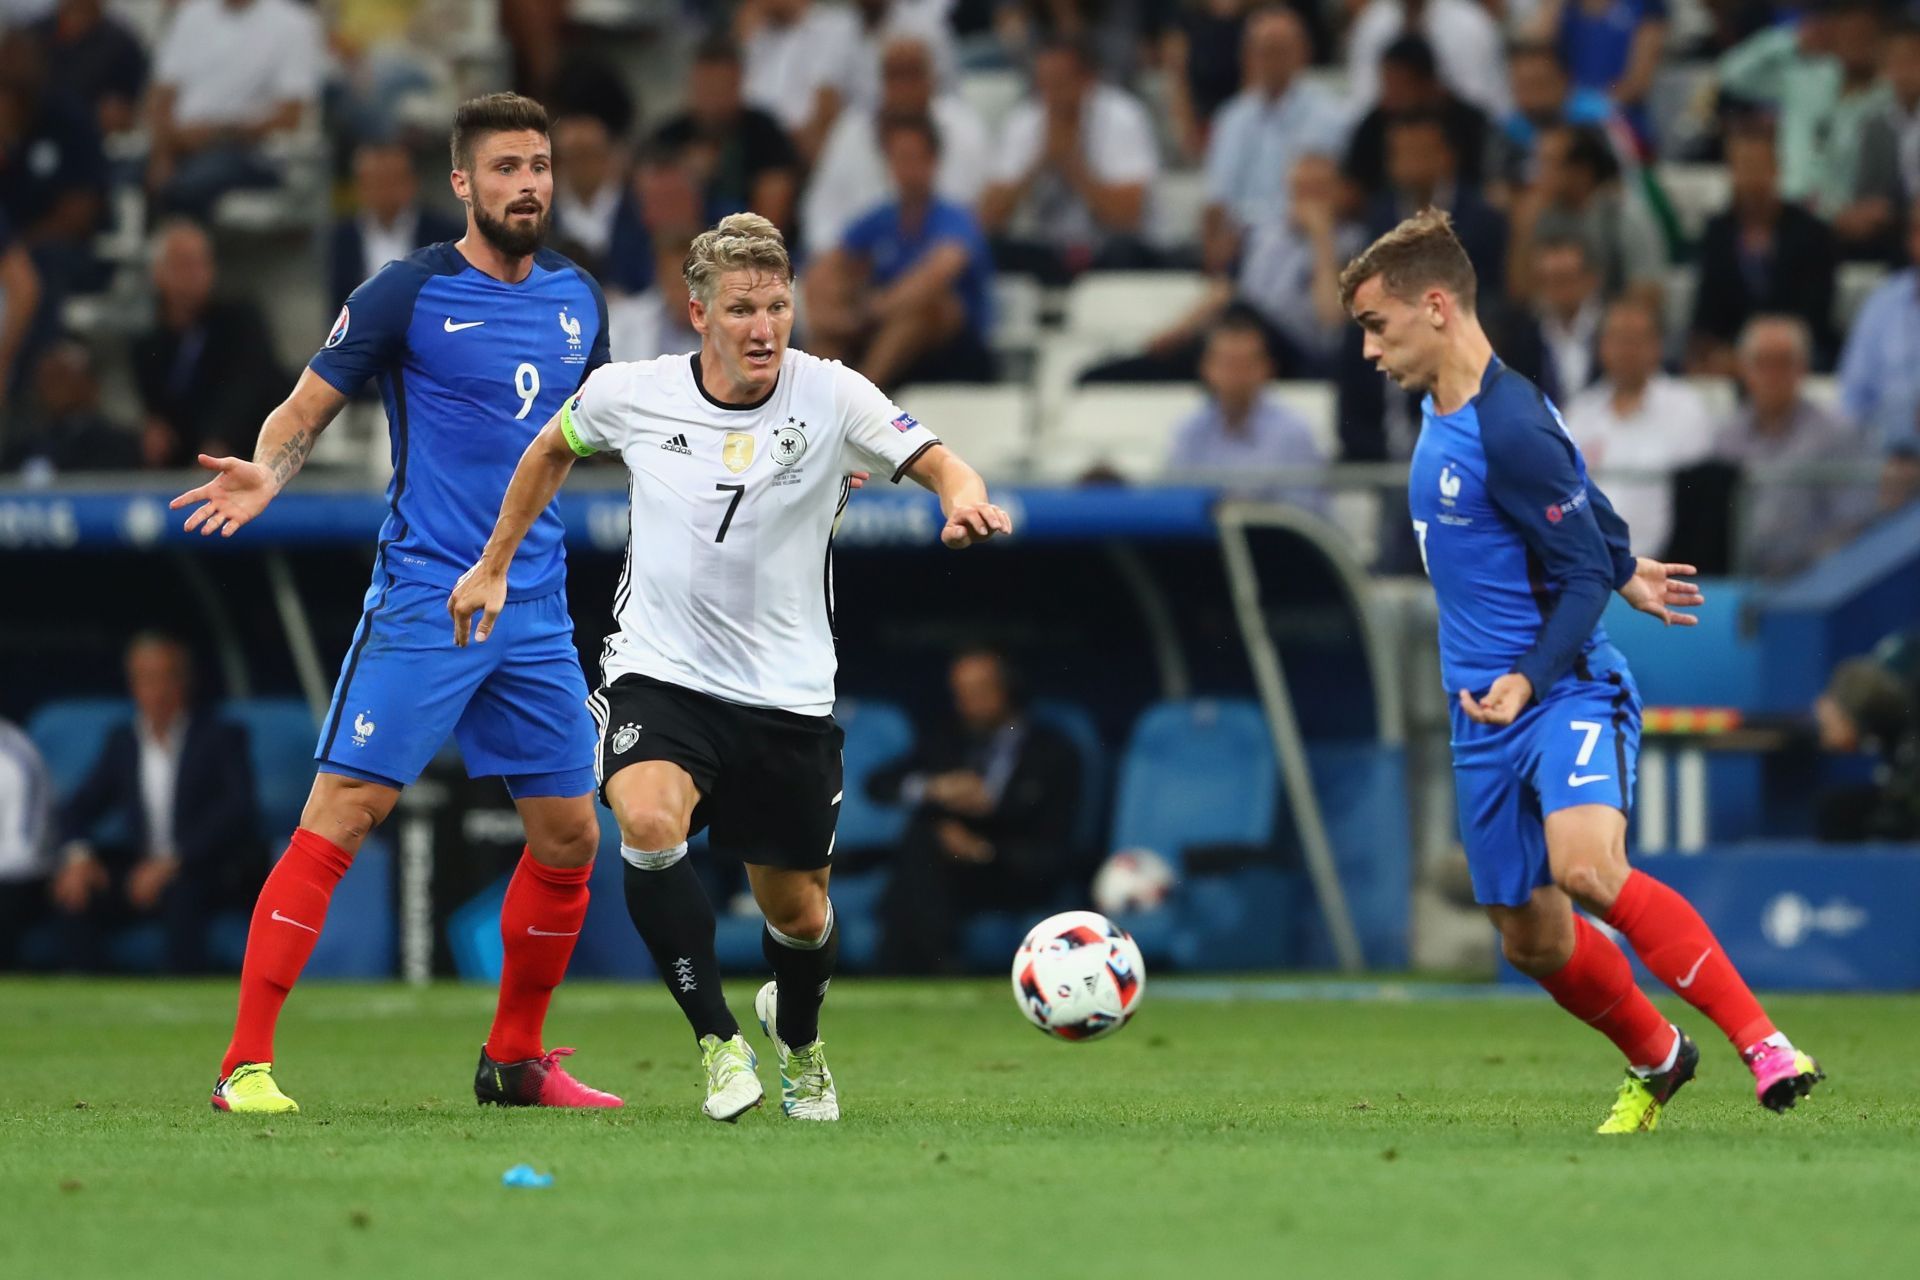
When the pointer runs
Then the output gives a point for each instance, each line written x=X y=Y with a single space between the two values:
x=250 y=1090
x=1641 y=1099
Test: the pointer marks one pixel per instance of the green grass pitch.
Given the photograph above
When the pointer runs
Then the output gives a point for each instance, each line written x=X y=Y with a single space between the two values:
x=1238 y=1136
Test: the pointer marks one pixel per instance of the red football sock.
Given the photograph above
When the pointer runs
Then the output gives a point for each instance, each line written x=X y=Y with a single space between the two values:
x=1675 y=943
x=1596 y=986
x=539 y=923
x=287 y=920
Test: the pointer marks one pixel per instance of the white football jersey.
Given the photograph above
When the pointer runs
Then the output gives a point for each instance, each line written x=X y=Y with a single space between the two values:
x=728 y=585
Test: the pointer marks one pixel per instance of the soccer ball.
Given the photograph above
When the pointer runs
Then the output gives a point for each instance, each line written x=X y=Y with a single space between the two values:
x=1132 y=880
x=1078 y=976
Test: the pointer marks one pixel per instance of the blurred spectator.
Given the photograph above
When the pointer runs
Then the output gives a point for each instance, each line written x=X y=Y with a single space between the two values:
x=1567 y=301
x=1261 y=132
x=1638 y=425
x=907 y=296
x=1200 y=58
x=1865 y=708
x=26 y=830
x=1116 y=34
x=1611 y=47
x=102 y=64
x=1786 y=524
x=1076 y=163
x=1889 y=175
x=53 y=173
x=62 y=427
x=1821 y=77
x=1544 y=97
x=1579 y=194
x=384 y=54
x=19 y=301
x=389 y=221
x=229 y=75
x=801 y=58
x=596 y=221
x=1879 y=372
x=179 y=782
x=1899 y=479
x=1465 y=39
x=1409 y=83
x=851 y=177
x=993 y=801
x=206 y=371
x=656 y=322
x=1242 y=431
x=740 y=156
x=1294 y=256
x=882 y=22
x=1423 y=173
x=1761 y=255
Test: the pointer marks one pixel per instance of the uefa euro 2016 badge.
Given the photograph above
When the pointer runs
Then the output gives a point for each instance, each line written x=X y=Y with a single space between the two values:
x=737 y=452
x=789 y=443
x=624 y=738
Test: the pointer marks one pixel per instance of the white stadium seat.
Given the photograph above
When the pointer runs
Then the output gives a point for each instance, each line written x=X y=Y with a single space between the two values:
x=1721 y=395
x=1122 y=426
x=1129 y=307
x=1318 y=403
x=988 y=424
x=1016 y=312
x=1850 y=290
x=992 y=95
x=1823 y=390
x=1176 y=203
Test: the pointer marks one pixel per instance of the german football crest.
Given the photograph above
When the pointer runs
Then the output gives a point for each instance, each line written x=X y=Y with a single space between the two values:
x=624 y=738
x=737 y=452
x=789 y=443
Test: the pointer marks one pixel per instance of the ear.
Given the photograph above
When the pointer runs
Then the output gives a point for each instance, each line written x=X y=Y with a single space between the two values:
x=697 y=313
x=462 y=191
x=1435 y=307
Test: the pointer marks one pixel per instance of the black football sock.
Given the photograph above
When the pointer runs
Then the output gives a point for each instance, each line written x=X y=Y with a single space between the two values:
x=670 y=909
x=802 y=968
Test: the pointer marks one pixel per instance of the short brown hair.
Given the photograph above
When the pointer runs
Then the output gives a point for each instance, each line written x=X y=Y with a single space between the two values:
x=738 y=242
x=494 y=113
x=1418 y=254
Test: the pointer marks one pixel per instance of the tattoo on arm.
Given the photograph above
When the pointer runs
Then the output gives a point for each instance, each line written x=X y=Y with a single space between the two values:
x=288 y=458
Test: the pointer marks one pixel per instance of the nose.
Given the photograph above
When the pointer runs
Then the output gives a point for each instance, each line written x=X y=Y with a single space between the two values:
x=762 y=328
x=1370 y=349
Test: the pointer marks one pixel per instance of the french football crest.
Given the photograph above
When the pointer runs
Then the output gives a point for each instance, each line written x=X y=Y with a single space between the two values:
x=737 y=452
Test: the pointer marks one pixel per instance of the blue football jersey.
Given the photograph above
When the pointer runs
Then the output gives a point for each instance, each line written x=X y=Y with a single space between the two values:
x=470 y=369
x=1523 y=550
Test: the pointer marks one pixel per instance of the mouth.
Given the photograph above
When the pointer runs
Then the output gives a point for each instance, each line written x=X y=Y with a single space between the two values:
x=524 y=209
x=759 y=357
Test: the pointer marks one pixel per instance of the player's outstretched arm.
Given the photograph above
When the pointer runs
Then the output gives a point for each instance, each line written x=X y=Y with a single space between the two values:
x=482 y=589
x=241 y=490
x=1660 y=589
x=963 y=498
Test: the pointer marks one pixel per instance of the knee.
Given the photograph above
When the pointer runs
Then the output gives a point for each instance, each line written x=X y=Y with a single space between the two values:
x=652 y=828
x=568 y=844
x=344 y=818
x=1594 y=885
x=1536 y=956
x=804 y=921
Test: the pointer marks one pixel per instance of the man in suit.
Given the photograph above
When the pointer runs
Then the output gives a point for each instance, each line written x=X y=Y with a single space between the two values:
x=389 y=221
x=178 y=783
x=206 y=371
x=994 y=805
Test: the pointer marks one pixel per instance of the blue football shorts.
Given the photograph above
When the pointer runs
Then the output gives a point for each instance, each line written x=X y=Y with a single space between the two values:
x=517 y=705
x=1580 y=745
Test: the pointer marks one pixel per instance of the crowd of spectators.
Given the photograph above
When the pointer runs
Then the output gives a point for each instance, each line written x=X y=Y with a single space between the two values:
x=1304 y=128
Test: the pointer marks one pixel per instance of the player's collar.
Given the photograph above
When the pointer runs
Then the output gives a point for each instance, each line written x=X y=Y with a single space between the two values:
x=693 y=362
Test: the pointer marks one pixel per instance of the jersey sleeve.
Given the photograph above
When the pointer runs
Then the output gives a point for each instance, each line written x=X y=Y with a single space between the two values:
x=1533 y=478
x=370 y=334
x=602 y=350
x=879 y=431
x=592 y=418
x=1614 y=530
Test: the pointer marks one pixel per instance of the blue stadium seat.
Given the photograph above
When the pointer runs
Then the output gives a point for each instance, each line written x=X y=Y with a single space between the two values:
x=69 y=733
x=280 y=736
x=1072 y=720
x=878 y=733
x=1196 y=772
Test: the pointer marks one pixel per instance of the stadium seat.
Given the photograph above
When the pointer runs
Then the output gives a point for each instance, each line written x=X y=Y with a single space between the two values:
x=1196 y=772
x=988 y=424
x=70 y=733
x=1175 y=208
x=1824 y=390
x=1721 y=395
x=1072 y=721
x=1318 y=404
x=878 y=733
x=1017 y=304
x=993 y=94
x=1128 y=307
x=1123 y=426
x=1698 y=191
x=1855 y=282
x=280 y=733
x=1063 y=358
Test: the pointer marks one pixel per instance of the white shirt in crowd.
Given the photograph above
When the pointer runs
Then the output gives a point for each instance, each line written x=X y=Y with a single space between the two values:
x=852 y=176
x=1671 y=429
x=231 y=65
x=922 y=20
x=642 y=326
x=587 y=222
x=26 y=807
x=1467 y=45
x=783 y=68
x=1572 y=345
x=385 y=242
x=1118 y=143
x=159 y=781
x=728 y=585
x=1256 y=141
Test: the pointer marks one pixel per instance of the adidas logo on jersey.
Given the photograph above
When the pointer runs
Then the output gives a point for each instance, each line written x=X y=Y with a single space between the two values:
x=677 y=445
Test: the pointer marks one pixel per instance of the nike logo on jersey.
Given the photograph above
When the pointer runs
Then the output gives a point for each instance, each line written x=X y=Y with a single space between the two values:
x=290 y=920
x=542 y=933
x=1692 y=973
x=451 y=327
x=1582 y=779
